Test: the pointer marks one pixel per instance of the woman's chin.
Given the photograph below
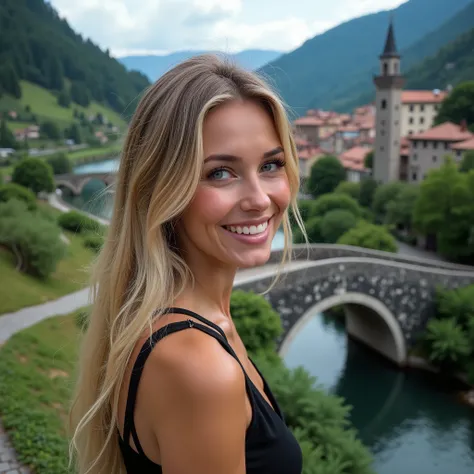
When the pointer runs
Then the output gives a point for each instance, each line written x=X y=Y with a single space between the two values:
x=253 y=259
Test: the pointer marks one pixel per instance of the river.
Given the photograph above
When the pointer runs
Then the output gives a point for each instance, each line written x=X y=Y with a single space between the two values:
x=411 y=421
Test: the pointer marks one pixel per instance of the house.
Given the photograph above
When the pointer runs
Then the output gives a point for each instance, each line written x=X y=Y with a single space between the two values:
x=101 y=137
x=353 y=161
x=460 y=148
x=31 y=133
x=419 y=109
x=429 y=148
x=308 y=127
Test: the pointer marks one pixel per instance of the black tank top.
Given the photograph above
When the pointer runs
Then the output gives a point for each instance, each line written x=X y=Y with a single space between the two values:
x=270 y=447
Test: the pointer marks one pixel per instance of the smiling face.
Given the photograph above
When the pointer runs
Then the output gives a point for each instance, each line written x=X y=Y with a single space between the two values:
x=243 y=192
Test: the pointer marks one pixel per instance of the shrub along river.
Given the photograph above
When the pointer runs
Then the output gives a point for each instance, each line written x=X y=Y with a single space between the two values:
x=412 y=421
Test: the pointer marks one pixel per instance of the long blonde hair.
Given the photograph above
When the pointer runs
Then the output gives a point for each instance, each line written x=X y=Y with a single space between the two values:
x=139 y=269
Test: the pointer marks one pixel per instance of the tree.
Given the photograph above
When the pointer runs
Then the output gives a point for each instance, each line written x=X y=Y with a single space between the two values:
x=369 y=160
x=313 y=229
x=34 y=174
x=325 y=175
x=445 y=208
x=9 y=80
x=9 y=191
x=349 y=188
x=60 y=163
x=50 y=129
x=369 y=236
x=64 y=98
x=335 y=224
x=330 y=202
x=56 y=78
x=7 y=139
x=467 y=162
x=400 y=209
x=382 y=197
x=80 y=94
x=458 y=105
x=368 y=186
x=74 y=133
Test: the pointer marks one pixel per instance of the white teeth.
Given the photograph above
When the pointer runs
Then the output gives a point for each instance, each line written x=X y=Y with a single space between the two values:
x=252 y=230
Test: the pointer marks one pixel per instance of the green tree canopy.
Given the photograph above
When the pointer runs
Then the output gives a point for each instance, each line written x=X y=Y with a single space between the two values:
x=400 y=209
x=368 y=186
x=458 y=106
x=382 y=197
x=325 y=175
x=335 y=224
x=467 y=162
x=332 y=201
x=369 y=160
x=7 y=139
x=349 y=188
x=369 y=236
x=60 y=163
x=34 y=174
x=445 y=208
x=50 y=129
x=64 y=99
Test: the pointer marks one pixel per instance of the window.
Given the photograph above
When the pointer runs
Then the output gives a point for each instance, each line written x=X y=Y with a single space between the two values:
x=383 y=105
x=382 y=122
x=435 y=145
x=422 y=119
x=459 y=153
x=382 y=133
x=425 y=144
x=436 y=107
x=412 y=108
x=435 y=158
x=414 y=176
x=415 y=156
x=385 y=69
x=382 y=148
x=410 y=121
x=410 y=132
x=422 y=108
x=395 y=68
x=446 y=145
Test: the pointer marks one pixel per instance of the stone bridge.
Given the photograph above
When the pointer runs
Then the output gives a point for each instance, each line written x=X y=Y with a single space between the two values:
x=76 y=182
x=387 y=298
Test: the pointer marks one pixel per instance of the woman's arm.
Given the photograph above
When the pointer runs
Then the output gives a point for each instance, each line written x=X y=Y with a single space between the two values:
x=198 y=406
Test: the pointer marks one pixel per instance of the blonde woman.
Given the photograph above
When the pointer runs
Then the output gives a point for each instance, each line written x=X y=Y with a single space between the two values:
x=208 y=171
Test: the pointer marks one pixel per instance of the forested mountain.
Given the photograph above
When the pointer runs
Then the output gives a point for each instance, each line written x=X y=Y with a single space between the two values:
x=155 y=66
x=328 y=64
x=362 y=91
x=38 y=46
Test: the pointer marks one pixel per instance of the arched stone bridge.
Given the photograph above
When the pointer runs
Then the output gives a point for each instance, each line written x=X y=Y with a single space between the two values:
x=388 y=299
x=76 y=182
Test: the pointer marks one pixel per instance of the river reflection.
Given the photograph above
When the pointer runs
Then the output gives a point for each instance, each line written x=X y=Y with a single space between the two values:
x=411 y=422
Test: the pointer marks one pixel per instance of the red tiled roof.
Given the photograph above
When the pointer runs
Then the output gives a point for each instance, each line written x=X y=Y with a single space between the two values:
x=300 y=141
x=315 y=121
x=466 y=145
x=423 y=97
x=354 y=158
x=447 y=132
x=310 y=152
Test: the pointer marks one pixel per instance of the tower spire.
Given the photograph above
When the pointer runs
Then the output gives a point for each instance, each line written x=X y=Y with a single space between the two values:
x=390 y=49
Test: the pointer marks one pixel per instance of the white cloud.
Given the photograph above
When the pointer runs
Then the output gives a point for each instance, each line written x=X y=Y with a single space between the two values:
x=128 y=26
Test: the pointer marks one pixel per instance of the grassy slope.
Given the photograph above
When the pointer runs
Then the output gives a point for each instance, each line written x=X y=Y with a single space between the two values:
x=21 y=290
x=36 y=377
x=44 y=104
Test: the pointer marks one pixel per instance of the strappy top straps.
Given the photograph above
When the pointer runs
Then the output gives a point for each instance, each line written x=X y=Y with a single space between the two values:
x=208 y=327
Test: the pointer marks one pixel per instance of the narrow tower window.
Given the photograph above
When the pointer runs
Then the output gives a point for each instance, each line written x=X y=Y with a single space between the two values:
x=383 y=104
x=385 y=69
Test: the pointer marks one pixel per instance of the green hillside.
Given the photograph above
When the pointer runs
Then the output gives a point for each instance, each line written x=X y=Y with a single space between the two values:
x=362 y=91
x=324 y=67
x=44 y=105
x=39 y=47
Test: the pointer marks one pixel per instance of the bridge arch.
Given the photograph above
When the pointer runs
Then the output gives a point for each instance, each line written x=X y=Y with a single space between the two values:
x=367 y=319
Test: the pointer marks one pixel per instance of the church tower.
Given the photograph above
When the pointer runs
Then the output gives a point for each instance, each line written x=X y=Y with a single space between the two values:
x=389 y=84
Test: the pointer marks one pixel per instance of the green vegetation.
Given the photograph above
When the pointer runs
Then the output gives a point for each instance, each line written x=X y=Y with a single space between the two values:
x=326 y=174
x=34 y=174
x=104 y=152
x=75 y=221
x=449 y=339
x=15 y=191
x=38 y=46
x=369 y=236
x=457 y=107
x=60 y=163
x=349 y=188
x=467 y=163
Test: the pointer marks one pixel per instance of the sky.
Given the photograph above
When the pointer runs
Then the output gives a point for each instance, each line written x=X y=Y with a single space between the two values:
x=128 y=27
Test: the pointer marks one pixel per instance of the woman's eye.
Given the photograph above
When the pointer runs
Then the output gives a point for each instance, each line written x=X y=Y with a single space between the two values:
x=219 y=174
x=269 y=167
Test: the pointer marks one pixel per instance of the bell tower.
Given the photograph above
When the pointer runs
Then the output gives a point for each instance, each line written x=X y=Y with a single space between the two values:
x=389 y=84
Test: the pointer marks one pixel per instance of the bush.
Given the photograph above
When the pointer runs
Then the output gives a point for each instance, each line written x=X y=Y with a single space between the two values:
x=313 y=229
x=34 y=242
x=383 y=195
x=330 y=202
x=448 y=345
x=369 y=236
x=78 y=222
x=256 y=321
x=349 y=188
x=93 y=242
x=368 y=186
x=457 y=304
x=325 y=175
x=82 y=320
x=15 y=191
x=60 y=163
x=336 y=223
x=34 y=174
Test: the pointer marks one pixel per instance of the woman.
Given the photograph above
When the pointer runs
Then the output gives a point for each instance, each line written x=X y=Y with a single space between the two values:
x=208 y=171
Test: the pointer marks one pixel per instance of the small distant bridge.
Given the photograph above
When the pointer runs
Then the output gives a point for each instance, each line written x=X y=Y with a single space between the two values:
x=76 y=182
x=388 y=298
